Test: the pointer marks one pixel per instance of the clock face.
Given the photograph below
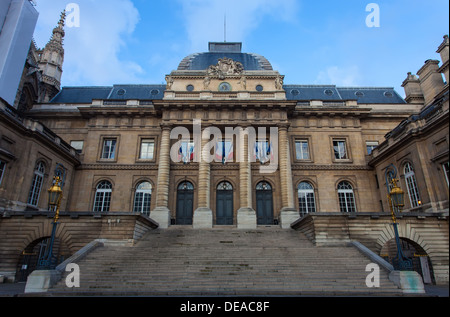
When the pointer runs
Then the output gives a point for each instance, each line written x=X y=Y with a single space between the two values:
x=224 y=87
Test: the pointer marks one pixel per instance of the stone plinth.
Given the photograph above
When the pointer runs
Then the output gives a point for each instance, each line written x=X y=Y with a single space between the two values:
x=288 y=216
x=40 y=281
x=203 y=218
x=162 y=216
x=246 y=218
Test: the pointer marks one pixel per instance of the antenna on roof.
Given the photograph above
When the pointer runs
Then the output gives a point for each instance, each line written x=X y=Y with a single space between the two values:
x=225 y=28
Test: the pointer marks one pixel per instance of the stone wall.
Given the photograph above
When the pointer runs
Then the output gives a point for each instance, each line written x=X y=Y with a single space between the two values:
x=20 y=229
x=374 y=230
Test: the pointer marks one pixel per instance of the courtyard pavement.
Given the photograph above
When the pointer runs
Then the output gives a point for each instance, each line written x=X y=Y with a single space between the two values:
x=17 y=289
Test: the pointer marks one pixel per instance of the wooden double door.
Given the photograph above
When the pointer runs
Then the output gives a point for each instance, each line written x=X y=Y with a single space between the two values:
x=185 y=204
x=224 y=204
x=264 y=204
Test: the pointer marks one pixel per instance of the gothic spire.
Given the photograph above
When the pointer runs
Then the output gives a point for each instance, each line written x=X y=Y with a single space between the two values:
x=56 y=41
x=51 y=60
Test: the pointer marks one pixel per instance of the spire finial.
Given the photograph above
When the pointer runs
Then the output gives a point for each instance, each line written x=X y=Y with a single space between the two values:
x=62 y=19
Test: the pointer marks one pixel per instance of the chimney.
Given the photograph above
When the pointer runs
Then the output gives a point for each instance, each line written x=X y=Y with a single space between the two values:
x=413 y=91
x=430 y=79
x=443 y=50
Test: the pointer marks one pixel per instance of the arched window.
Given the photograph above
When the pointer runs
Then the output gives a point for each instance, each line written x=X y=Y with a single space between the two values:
x=224 y=186
x=102 y=199
x=346 y=197
x=306 y=199
x=36 y=185
x=142 y=198
x=411 y=184
x=263 y=186
x=186 y=186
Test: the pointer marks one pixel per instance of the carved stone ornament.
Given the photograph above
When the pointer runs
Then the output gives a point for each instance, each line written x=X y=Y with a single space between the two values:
x=226 y=66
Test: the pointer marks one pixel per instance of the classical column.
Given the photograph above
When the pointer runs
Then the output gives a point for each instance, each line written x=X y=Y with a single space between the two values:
x=161 y=213
x=203 y=214
x=288 y=213
x=246 y=215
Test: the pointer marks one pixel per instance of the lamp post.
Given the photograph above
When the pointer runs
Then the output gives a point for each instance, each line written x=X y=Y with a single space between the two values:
x=396 y=199
x=54 y=202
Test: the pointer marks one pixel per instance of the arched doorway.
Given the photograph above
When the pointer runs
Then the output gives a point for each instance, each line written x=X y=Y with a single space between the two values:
x=224 y=204
x=36 y=250
x=420 y=259
x=264 y=204
x=185 y=203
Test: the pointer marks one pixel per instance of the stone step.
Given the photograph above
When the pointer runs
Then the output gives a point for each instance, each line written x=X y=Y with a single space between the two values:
x=224 y=261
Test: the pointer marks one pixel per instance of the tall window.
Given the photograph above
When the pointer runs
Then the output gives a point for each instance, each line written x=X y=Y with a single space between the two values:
x=36 y=185
x=445 y=167
x=147 y=149
x=186 y=152
x=306 y=200
x=109 y=149
x=346 y=197
x=340 y=150
x=102 y=199
x=2 y=170
x=224 y=151
x=263 y=151
x=302 y=149
x=142 y=198
x=411 y=184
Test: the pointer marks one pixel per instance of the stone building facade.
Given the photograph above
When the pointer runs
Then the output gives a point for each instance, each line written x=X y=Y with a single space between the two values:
x=224 y=143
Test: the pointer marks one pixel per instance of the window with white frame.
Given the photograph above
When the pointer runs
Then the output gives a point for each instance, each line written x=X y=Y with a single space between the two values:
x=147 y=149
x=263 y=151
x=143 y=198
x=302 y=150
x=224 y=151
x=109 y=149
x=346 y=197
x=340 y=150
x=411 y=184
x=2 y=170
x=446 y=169
x=36 y=185
x=186 y=152
x=102 y=200
x=306 y=199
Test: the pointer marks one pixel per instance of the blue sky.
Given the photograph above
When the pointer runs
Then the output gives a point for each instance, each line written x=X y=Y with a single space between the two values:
x=310 y=42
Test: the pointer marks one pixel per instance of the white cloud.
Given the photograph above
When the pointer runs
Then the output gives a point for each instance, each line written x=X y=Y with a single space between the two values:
x=339 y=76
x=205 y=18
x=92 y=51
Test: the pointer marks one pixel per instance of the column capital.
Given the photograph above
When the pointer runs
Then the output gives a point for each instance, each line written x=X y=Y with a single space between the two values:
x=166 y=126
x=283 y=126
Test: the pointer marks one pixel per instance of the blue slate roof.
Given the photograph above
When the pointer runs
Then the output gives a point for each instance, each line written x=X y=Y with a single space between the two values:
x=81 y=94
x=202 y=61
x=363 y=95
x=219 y=50
x=116 y=92
x=137 y=92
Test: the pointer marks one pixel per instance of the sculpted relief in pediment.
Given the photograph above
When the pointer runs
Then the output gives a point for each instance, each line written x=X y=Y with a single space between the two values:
x=225 y=67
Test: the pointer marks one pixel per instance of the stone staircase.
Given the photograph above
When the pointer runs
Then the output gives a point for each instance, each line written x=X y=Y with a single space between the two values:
x=225 y=261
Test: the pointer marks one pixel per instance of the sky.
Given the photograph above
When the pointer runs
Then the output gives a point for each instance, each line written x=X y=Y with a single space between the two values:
x=311 y=42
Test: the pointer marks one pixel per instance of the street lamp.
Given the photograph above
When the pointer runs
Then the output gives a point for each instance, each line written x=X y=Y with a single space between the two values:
x=54 y=202
x=396 y=199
